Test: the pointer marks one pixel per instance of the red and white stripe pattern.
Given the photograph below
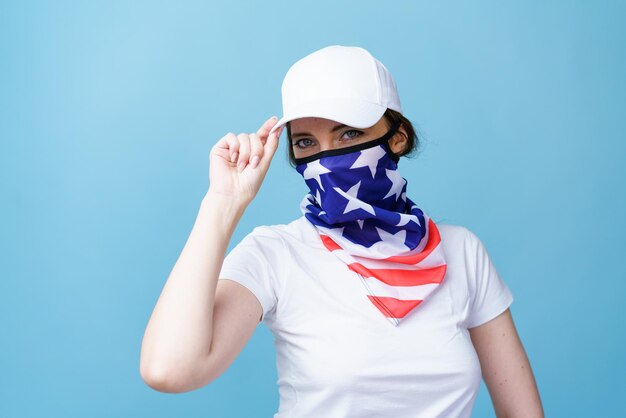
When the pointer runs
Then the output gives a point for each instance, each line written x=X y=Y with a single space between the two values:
x=396 y=284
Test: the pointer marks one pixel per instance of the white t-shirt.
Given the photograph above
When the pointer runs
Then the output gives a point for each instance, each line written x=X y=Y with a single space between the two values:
x=338 y=356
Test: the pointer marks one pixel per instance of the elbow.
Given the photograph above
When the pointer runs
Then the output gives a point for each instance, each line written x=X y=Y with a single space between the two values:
x=173 y=379
x=161 y=379
x=156 y=378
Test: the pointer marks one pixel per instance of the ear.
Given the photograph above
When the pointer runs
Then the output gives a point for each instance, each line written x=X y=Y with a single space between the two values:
x=398 y=143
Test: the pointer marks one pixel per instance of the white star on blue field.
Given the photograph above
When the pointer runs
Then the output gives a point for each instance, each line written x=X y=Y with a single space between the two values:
x=363 y=193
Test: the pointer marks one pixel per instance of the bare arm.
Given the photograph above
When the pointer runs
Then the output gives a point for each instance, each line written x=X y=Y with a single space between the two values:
x=506 y=369
x=198 y=325
x=176 y=345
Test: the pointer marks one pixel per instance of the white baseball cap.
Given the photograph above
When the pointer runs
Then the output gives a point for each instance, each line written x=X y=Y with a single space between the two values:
x=341 y=83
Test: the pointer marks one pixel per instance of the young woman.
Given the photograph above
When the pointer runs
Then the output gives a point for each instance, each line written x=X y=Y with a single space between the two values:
x=376 y=309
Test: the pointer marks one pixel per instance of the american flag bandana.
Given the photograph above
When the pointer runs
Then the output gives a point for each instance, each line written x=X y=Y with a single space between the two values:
x=358 y=204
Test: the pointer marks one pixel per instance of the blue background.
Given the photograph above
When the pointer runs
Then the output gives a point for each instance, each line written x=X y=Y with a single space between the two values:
x=108 y=111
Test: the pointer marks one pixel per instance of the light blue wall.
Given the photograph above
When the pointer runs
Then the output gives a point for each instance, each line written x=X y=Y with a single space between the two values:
x=108 y=111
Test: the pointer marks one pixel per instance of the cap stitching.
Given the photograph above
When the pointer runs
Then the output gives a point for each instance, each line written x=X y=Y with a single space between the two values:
x=377 y=75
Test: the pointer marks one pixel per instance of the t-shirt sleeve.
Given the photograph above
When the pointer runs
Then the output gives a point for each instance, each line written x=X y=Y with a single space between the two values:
x=252 y=263
x=490 y=296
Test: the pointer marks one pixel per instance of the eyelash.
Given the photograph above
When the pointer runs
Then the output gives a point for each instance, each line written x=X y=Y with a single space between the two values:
x=297 y=143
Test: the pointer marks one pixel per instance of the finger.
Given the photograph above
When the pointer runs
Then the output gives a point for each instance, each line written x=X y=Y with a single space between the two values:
x=264 y=130
x=244 y=151
x=223 y=146
x=223 y=142
x=233 y=146
x=256 y=150
x=270 y=148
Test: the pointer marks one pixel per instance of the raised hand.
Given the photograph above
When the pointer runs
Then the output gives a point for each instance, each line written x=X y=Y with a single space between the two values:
x=238 y=163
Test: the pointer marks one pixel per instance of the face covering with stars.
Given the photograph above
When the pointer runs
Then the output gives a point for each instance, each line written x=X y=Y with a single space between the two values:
x=358 y=205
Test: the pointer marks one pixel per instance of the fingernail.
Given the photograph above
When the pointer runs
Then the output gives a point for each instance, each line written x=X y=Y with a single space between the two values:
x=240 y=166
x=233 y=156
x=254 y=161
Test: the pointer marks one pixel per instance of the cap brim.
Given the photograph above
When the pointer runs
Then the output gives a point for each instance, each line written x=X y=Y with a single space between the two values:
x=357 y=114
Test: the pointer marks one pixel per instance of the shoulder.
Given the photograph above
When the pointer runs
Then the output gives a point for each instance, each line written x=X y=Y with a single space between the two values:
x=461 y=242
x=298 y=228
x=264 y=248
x=456 y=235
x=271 y=248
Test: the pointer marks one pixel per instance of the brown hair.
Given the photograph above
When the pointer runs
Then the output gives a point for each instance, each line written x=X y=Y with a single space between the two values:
x=390 y=116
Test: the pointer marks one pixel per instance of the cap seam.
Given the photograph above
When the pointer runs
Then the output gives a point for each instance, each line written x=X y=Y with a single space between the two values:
x=377 y=75
x=345 y=98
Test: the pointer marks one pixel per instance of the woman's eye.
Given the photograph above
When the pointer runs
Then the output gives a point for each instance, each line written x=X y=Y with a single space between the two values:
x=353 y=133
x=303 y=143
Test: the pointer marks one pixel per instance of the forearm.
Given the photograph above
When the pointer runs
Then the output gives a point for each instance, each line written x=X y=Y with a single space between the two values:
x=178 y=335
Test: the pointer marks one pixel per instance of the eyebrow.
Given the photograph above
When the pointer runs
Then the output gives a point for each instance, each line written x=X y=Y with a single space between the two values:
x=334 y=129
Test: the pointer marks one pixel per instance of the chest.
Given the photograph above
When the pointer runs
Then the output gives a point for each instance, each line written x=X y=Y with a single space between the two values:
x=329 y=334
